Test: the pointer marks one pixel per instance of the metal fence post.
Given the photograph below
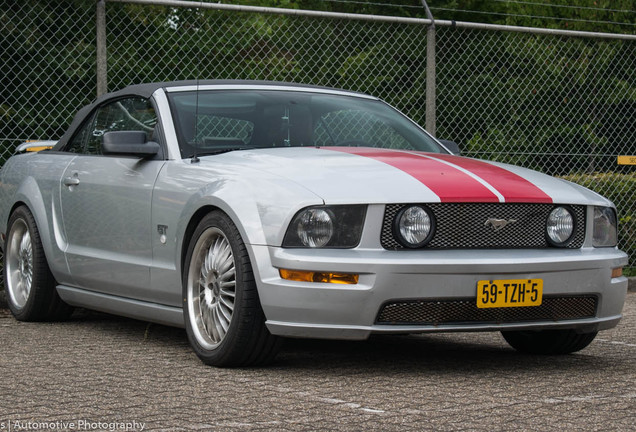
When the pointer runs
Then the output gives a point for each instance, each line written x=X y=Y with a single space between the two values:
x=431 y=93
x=102 y=84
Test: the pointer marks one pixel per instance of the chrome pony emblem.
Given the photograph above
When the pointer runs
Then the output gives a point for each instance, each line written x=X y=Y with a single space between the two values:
x=499 y=224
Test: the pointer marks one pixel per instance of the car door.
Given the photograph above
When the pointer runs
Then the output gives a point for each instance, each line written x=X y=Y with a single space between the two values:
x=106 y=205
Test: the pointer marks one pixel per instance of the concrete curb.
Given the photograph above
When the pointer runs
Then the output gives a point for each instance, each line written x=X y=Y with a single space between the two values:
x=631 y=285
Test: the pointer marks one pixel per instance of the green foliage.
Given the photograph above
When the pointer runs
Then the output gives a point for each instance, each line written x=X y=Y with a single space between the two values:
x=538 y=101
x=47 y=56
x=596 y=16
x=582 y=15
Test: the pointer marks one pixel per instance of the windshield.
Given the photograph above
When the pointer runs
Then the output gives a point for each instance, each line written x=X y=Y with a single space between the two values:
x=220 y=120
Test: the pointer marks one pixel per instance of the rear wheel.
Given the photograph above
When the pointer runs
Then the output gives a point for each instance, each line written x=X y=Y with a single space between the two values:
x=548 y=341
x=29 y=284
x=224 y=319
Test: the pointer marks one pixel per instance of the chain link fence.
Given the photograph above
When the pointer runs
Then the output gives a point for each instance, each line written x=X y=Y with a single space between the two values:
x=563 y=105
x=47 y=65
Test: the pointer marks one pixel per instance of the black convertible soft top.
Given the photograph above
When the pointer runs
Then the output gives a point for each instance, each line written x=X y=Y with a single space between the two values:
x=146 y=90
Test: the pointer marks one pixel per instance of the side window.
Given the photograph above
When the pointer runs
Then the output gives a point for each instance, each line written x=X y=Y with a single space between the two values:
x=76 y=144
x=131 y=114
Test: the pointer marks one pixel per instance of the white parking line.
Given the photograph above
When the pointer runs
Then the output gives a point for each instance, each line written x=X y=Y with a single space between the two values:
x=351 y=405
x=310 y=396
x=616 y=342
x=332 y=401
x=590 y=398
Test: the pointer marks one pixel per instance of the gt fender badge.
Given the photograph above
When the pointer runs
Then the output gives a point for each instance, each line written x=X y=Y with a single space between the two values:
x=499 y=224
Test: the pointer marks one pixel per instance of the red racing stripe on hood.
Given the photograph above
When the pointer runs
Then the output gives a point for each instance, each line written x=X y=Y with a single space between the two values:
x=448 y=183
x=513 y=187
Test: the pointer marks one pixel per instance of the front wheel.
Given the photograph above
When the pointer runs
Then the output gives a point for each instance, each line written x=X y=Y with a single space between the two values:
x=548 y=341
x=224 y=320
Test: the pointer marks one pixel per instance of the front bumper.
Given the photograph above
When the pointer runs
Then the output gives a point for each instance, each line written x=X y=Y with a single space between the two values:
x=321 y=310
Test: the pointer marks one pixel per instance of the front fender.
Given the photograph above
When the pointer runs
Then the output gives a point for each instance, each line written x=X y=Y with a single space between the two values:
x=260 y=205
x=261 y=214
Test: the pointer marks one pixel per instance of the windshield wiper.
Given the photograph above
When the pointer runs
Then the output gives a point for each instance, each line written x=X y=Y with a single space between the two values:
x=211 y=152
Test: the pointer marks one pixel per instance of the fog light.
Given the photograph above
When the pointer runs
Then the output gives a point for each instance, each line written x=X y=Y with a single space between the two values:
x=414 y=226
x=324 y=277
x=560 y=226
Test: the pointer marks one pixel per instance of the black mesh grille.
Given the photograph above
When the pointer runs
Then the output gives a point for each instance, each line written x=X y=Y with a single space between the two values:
x=435 y=312
x=463 y=226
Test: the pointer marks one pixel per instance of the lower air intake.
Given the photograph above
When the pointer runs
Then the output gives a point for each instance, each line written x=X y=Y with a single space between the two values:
x=436 y=312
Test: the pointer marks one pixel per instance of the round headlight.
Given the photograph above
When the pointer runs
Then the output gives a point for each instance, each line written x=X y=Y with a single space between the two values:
x=414 y=226
x=315 y=227
x=560 y=226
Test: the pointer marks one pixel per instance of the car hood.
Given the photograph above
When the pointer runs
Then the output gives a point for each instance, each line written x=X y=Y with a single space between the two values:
x=369 y=175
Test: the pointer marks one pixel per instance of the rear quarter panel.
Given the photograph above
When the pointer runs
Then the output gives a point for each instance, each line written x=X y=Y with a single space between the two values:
x=33 y=179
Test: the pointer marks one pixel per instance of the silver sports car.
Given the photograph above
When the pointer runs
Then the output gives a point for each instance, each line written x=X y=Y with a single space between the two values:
x=251 y=211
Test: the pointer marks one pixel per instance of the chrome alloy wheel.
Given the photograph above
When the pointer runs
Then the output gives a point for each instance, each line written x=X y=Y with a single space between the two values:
x=19 y=263
x=211 y=288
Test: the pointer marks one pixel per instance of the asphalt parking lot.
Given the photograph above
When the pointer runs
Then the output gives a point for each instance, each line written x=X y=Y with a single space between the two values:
x=99 y=372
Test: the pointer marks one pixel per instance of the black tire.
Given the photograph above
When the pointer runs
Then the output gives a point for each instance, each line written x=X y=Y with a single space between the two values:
x=29 y=283
x=550 y=342
x=208 y=281
x=1 y=270
x=2 y=291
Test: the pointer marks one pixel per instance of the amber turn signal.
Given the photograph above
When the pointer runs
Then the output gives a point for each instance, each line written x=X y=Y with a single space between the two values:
x=617 y=272
x=38 y=148
x=325 y=277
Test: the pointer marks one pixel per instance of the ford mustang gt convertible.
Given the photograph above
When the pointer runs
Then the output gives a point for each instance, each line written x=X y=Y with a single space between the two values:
x=247 y=212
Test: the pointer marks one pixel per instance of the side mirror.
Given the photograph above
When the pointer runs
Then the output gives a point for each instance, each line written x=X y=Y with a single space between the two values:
x=452 y=146
x=129 y=143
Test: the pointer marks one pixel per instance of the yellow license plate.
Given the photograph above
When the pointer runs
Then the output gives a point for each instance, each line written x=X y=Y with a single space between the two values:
x=509 y=293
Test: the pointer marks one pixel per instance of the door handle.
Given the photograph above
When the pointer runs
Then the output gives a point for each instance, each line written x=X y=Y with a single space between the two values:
x=71 y=181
